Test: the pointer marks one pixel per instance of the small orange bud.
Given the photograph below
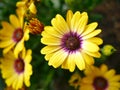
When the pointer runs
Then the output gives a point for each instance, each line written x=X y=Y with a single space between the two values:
x=35 y=26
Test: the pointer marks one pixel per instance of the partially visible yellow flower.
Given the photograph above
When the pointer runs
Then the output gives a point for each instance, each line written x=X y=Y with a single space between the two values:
x=75 y=80
x=17 y=71
x=27 y=5
x=13 y=34
x=72 y=42
x=100 y=79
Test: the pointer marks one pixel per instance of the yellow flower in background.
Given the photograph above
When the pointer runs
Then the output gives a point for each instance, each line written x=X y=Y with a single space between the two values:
x=13 y=34
x=27 y=5
x=75 y=80
x=71 y=42
x=100 y=79
x=17 y=71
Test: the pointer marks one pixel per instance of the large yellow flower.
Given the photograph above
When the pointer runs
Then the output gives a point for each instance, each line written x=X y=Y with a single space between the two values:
x=13 y=34
x=100 y=79
x=17 y=71
x=71 y=42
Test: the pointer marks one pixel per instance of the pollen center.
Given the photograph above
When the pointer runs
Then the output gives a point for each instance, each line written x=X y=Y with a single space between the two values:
x=72 y=43
x=19 y=65
x=18 y=34
x=100 y=83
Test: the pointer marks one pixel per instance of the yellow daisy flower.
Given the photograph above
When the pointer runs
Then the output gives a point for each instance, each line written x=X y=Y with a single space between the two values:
x=100 y=79
x=17 y=71
x=13 y=34
x=71 y=42
x=27 y=5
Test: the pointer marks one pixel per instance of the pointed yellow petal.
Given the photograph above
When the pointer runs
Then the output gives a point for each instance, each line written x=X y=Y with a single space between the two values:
x=103 y=68
x=109 y=74
x=79 y=60
x=49 y=49
x=59 y=24
x=88 y=59
x=32 y=8
x=95 y=40
x=69 y=17
x=51 y=41
x=28 y=57
x=58 y=58
x=48 y=56
x=50 y=30
x=4 y=44
x=18 y=48
x=89 y=46
x=94 y=54
x=92 y=34
x=5 y=50
x=90 y=28
x=82 y=22
x=74 y=21
x=69 y=63
x=20 y=81
x=14 y=21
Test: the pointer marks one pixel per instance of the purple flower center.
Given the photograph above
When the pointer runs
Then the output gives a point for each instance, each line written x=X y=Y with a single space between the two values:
x=18 y=34
x=19 y=65
x=100 y=83
x=71 y=42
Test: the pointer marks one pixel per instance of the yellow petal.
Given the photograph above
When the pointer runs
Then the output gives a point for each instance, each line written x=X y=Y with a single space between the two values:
x=18 y=48
x=95 y=40
x=74 y=21
x=7 y=49
x=109 y=74
x=82 y=22
x=48 y=56
x=79 y=60
x=9 y=81
x=88 y=59
x=113 y=88
x=50 y=30
x=49 y=49
x=115 y=84
x=86 y=87
x=92 y=34
x=103 y=68
x=4 y=44
x=20 y=3
x=89 y=46
x=51 y=41
x=94 y=54
x=115 y=78
x=90 y=28
x=69 y=63
x=26 y=35
x=32 y=8
x=59 y=24
x=14 y=21
x=58 y=58
x=28 y=57
x=20 y=81
x=69 y=17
